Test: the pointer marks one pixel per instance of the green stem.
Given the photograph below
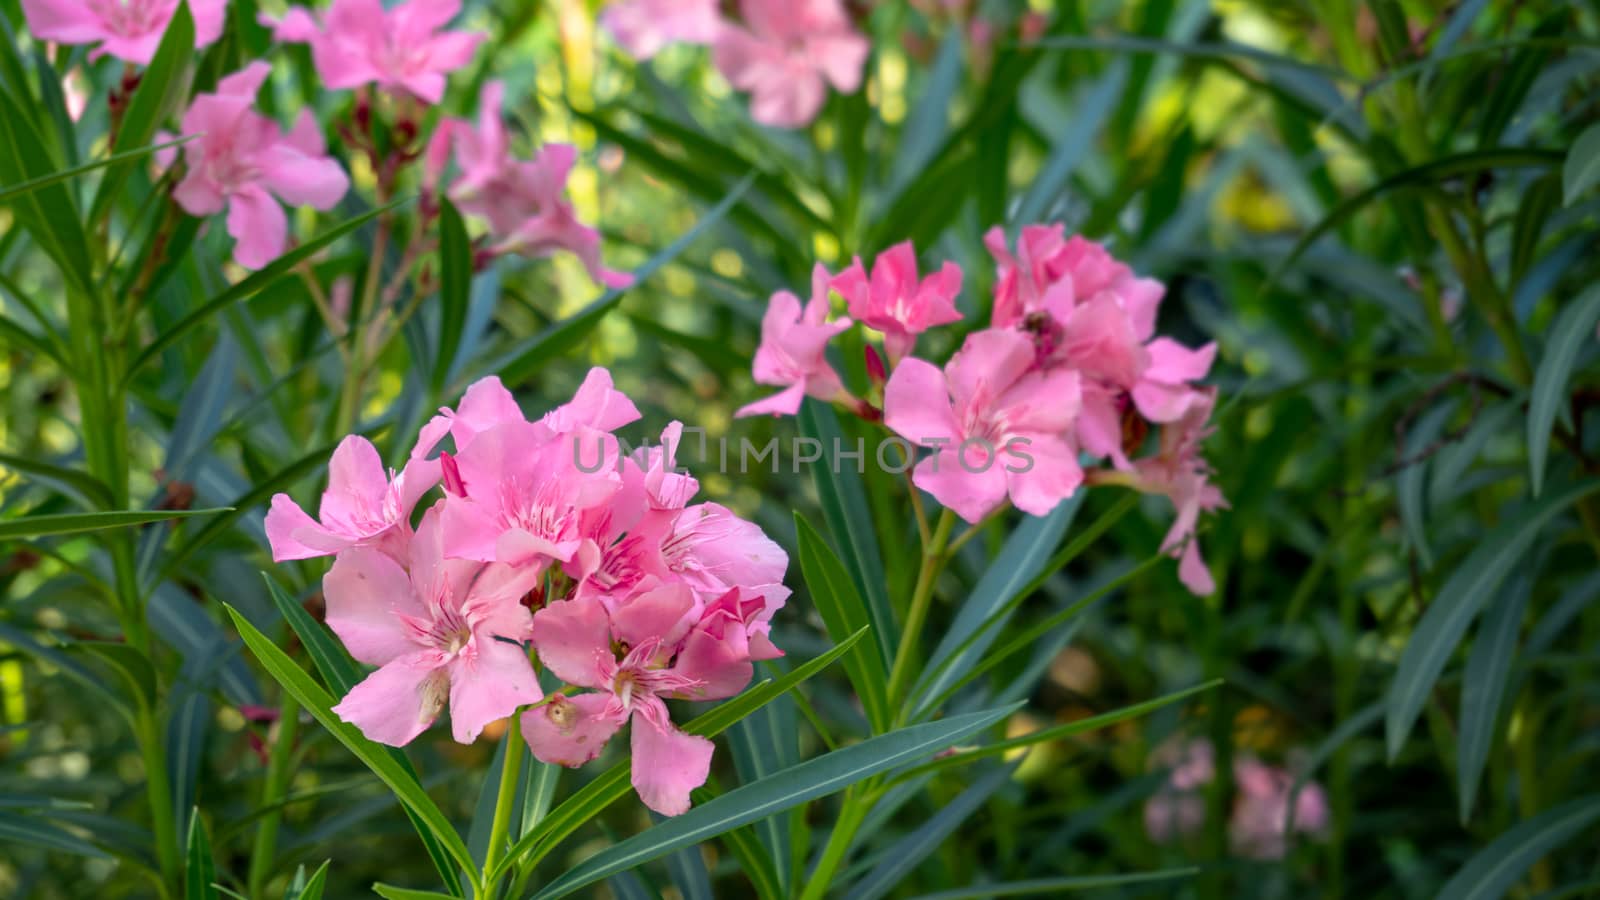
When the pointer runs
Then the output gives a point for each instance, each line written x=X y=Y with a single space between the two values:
x=510 y=775
x=851 y=815
x=933 y=557
x=272 y=793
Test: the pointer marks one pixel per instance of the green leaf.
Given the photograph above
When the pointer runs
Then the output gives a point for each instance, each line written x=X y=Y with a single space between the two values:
x=391 y=892
x=903 y=857
x=17 y=191
x=1542 y=198
x=1484 y=686
x=925 y=128
x=317 y=702
x=815 y=778
x=523 y=360
x=1069 y=149
x=834 y=597
x=1457 y=603
x=255 y=282
x=612 y=785
x=1582 y=169
x=162 y=87
x=49 y=212
x=28 y=831
x=1070 y=729
x=1493 y=871
x=1429 y=173
x=130 y=665
x=1049 y=887
x=312 y=888
x=1569 y=333
x=339 y=672
x=76 y=523
x=455 y=291
x=87 y=489
x=844 y=508
x=201 y=870
x=335 y=666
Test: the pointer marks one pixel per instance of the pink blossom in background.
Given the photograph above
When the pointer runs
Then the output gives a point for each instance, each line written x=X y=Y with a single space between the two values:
x=786 y=53
x=435 y=628
x=245 y=163
x=1259 y=824
x=792 y=355
x=644 y=27
x=658 y=644
x=998 y=426
x=129 y=30
x=364 y=506
x=894 y=301
x=401 y=49
x=524 y=201
x=1259 y=827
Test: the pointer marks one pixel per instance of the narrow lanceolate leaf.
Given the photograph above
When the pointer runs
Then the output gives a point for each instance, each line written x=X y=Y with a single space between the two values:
x=844 y=508
x=255 y=282
x=1459 y=601
x=835 y=598
x=312 y=888
x=85 y=488
x=14 y=192
x=1049 y=887
x=901 y=859
x=819 y=777
x=200 y=873
x=527 y=357
x=391 y=892
x=455 y=291
x=1070 y=148
x=1428 y=173
x=375 y=757
x=1484 y=686
x=76 y=523
x=609 y=787
x=1572 y=329
x=1497 y=867
x=161 y=89
x=28 y=831
x=1582 y=169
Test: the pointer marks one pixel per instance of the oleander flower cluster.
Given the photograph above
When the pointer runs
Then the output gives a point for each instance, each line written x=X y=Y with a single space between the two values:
x=544 y=547
x=1266 y=813
x=784 y=53
x=1069 y=372
x=397 y=61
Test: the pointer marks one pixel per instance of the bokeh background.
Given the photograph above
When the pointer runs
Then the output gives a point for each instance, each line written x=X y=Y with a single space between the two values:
x=1369 y=207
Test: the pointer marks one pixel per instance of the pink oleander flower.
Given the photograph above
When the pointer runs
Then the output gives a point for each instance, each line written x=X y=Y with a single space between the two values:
x=438 y=629
x=644 y=27
x=895 y=302
x=792 y=355
x=1259 y=827
x=1179 y=472
x=1045 y=258
x=129 y=30
x=524 y=202
x=401 y=49
x=244 y=162
x=486 y=404
x=654 y=646
x=363 y=507
x=527 y=493
x=998 y=426
x=786 y=54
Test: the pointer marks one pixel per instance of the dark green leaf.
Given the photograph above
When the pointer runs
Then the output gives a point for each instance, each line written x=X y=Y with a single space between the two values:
x=75 y=523
x=1492 y=872
x=1571 y=330
x=835 y=598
